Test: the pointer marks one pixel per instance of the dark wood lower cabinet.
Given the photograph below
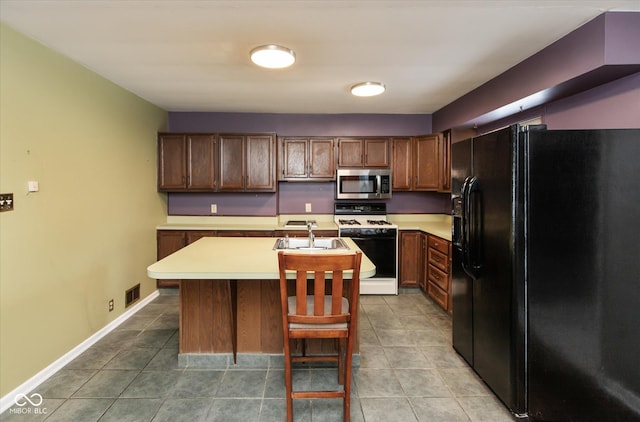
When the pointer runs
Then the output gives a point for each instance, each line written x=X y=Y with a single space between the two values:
x=410 y=257
x=425 y=262
x=438 y=271
x=168 y=242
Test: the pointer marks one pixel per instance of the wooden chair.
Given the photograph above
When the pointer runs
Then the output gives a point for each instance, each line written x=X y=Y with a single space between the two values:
x=321 y=315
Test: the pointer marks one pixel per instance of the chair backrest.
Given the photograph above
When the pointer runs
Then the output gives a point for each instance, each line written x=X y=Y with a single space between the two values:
x=324 y=308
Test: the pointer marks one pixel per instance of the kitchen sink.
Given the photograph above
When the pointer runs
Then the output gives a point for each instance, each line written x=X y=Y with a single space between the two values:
x=300 y=224
x=302 y=243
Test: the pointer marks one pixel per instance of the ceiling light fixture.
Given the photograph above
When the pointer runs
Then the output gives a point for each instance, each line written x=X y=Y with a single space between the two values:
x=273 y=56
x=368 y=89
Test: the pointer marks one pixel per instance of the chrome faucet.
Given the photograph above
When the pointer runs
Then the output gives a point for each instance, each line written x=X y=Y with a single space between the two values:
x=312 y=236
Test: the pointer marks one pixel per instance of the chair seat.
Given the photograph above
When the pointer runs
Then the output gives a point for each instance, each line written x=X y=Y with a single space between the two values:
x=310 y=309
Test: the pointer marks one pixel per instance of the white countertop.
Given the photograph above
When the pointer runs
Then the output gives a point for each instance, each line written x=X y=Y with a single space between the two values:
x=237 y=258
x=435 y=224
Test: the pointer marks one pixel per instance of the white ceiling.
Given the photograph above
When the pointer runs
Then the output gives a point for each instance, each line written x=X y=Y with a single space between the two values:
x=188 y=55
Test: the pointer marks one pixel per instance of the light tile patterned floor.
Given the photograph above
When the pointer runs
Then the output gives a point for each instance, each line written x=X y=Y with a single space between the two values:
x=408 y=372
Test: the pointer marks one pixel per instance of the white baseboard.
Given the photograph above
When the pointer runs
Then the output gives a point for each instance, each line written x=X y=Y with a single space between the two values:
x=9 y=400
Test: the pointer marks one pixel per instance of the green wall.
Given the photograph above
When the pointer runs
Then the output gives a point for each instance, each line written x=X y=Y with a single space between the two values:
x=89 y=233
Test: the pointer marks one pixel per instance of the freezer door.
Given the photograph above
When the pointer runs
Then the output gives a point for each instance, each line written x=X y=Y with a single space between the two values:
x=461 y=283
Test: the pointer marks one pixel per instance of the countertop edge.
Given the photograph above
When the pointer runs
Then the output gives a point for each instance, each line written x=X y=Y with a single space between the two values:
x=435 y=224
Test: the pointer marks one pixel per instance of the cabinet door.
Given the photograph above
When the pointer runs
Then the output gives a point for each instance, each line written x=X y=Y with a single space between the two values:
x=168 y=242
x=201 y=162
x=260 y=166
x=350 y=152
x=445 y=162
x=193 y=235
x=294 y=158
x=322 y=159
x=401 y=164
x=376 y=152
x=410 y=258
x=172 y=171
x=232 y=162
x=425 y=168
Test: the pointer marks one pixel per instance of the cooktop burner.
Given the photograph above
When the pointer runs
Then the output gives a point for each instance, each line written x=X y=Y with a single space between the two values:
x=379 y=222
x=352 y=222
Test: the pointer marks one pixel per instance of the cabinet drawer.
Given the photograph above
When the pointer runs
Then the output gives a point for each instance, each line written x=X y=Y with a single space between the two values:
x=439 y=260
x=439 y=278
x=440 y=297
x=439 y=244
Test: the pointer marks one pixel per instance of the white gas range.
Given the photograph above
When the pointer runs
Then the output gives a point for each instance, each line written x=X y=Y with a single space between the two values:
x=366 y=224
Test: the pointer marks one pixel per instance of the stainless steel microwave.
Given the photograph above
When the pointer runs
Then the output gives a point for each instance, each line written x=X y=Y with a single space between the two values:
x=363 y=184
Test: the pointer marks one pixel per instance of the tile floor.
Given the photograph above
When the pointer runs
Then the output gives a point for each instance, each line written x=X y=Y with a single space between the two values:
x=408 y=372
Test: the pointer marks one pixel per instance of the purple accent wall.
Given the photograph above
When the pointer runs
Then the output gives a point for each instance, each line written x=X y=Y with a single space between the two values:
x=238 y=204
x=615 y=105
x=599 y=52
x=611 y=106
x=303 y=124
x=294 y=195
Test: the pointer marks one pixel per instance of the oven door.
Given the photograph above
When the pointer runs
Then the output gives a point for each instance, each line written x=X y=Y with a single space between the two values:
x=381 y=250
x=380 y=246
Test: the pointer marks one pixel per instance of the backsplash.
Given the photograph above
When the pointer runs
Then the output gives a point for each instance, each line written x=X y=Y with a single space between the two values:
x=291 y=199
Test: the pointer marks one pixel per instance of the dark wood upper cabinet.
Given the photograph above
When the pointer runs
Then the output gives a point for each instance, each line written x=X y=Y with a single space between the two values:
x=247 y=163
x=232 y=162
x=172 y=162
x=201 y=162
x=261 y=163
x=307 y=159
x=425 y=163
x=422 y=163
x=401 y=164
x=186 y=162
x=363 y=152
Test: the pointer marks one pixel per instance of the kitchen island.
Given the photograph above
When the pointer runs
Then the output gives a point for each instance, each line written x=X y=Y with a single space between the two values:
x=230 y=300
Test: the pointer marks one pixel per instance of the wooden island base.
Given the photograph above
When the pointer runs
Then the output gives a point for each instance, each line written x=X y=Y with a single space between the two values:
x=221 y=318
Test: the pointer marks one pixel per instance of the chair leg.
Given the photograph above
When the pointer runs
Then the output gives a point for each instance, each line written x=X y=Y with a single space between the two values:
x=288 y=381
x=342 y=349
x=347 y=380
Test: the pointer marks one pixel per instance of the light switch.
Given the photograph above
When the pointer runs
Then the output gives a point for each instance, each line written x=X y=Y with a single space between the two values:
x=214 y=208
x=33 y=186
x=307 y=207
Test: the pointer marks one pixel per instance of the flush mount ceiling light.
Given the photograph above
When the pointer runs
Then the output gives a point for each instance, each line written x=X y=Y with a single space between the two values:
x=273 y=56
x=368 y=89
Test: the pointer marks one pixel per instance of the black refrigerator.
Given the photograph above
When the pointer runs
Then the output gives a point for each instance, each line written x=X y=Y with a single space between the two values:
x=546 y=269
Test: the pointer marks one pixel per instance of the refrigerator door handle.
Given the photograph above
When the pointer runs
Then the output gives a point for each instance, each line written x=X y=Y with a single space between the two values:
x=464 y=235
x=471 y=227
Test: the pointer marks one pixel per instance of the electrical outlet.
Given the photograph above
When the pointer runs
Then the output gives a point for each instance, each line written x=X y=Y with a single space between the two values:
x=307 y=207
x=111 y=305
x=214 y=208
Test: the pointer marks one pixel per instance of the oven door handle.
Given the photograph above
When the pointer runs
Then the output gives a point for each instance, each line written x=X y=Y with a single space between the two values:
x=371 y=238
